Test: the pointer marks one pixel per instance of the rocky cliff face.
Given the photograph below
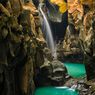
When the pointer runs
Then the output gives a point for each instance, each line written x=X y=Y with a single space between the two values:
x=21 y=47
x=80 y=33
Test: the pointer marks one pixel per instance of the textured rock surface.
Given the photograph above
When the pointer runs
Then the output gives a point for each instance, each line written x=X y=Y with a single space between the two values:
x=21 y=47
x=51 y=74
x=24 y=56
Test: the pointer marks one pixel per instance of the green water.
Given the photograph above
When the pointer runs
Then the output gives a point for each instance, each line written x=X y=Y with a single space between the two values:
x=55 y=91
x=76 y=70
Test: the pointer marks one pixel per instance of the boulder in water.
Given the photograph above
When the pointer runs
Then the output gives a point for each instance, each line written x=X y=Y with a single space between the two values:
x=52 y=73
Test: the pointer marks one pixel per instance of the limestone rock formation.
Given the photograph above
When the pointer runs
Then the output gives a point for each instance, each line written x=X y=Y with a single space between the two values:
x=52 y=73
x=21 y=47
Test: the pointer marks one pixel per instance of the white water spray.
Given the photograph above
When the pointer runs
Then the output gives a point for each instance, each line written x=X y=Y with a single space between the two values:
x=49 y=34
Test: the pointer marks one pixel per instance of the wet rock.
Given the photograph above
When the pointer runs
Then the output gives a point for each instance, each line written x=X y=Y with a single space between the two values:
x=21 y=47
x=87 y=43
x=58 y=70
x=52 y=73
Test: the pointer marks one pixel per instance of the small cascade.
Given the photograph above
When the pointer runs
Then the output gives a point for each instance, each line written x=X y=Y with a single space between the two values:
x=48 y=31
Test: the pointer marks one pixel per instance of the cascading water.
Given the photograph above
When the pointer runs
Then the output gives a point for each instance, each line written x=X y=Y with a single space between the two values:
x=49 y=34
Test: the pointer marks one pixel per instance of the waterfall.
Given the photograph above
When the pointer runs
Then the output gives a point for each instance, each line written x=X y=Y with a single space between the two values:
x=48 y=31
